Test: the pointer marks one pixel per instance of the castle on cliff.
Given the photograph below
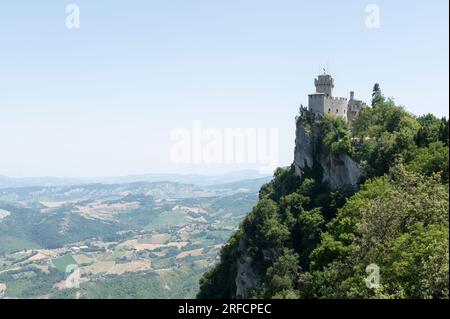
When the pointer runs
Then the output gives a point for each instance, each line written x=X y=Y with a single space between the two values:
x=323 y=102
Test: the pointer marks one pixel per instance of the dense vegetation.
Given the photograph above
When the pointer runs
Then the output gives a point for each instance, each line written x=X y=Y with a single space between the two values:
x=304 y=240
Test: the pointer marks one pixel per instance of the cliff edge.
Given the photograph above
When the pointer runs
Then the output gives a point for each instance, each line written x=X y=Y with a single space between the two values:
x=337 y=170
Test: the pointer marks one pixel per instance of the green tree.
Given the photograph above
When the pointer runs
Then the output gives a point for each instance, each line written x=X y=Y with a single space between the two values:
x=336 y=139
x=310 y=226
x=443 y=131
x=281 y=278
x=429 y=131
x=377 y=96
x=400 y=223
x=263 y=226
x=430 y=160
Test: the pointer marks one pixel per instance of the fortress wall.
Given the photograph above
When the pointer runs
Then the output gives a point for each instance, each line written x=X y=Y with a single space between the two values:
x=316 y=103
x=354 y=107
x=336 y=106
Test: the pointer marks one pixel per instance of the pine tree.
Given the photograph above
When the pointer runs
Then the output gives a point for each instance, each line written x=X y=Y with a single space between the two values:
x=377 y=97
x=443 y=131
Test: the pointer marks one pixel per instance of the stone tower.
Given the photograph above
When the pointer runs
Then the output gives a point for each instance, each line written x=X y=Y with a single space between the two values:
x=323 y=102
x=324 y=84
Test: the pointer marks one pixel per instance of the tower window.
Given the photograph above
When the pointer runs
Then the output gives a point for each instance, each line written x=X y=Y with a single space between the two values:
x=329 y=110
x=337 y=111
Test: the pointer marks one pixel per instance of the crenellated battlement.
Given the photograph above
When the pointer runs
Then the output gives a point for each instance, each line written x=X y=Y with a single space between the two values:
x=323 y=101
x=336 y=98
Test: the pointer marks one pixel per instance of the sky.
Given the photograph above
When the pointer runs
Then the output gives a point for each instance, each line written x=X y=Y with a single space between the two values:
x=105 y=99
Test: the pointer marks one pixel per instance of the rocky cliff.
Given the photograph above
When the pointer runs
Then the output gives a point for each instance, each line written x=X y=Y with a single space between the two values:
x=337 y=170
x=246 y=278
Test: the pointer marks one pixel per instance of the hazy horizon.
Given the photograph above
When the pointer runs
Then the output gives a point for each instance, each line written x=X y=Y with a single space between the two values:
x=253 y=171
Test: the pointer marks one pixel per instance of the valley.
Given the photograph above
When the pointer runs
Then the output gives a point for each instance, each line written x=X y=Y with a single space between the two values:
x=131 y=240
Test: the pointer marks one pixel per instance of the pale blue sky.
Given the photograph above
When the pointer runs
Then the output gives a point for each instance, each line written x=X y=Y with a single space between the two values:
x=102 y=100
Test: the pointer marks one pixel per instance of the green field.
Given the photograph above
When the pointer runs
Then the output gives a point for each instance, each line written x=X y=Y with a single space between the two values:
x=62 y=262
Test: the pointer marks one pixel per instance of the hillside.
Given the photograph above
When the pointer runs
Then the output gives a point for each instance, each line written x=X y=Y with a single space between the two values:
x=361 y=213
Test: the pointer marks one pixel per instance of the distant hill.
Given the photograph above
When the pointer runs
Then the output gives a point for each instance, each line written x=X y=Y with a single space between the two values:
x=231 y=177
x=250 y=185
x=8 y=182
x=196 y=179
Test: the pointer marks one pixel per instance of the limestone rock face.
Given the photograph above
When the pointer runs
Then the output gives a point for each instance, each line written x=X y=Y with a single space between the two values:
x=337 y=170
x=303 y=154
x=246 y=278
